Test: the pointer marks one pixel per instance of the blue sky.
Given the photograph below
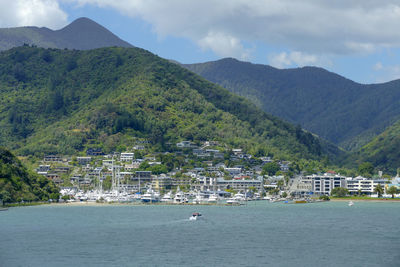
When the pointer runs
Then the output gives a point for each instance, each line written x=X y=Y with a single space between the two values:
x=357 y=39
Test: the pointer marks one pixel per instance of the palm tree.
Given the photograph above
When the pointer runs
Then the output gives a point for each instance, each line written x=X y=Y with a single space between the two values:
x=379 y=190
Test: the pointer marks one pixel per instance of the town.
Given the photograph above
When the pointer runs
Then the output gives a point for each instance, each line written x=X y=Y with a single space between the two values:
x=205 y=173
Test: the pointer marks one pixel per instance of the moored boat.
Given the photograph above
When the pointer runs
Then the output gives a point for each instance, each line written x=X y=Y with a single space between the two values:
x=150 y=197
x=167 y=198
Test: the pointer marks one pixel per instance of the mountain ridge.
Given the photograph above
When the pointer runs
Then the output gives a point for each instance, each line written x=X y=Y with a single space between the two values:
x=110 y=96
x=337 y=109
x=82 y=34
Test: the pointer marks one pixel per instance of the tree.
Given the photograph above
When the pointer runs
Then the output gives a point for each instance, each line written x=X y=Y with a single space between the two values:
x=280 y=183
x=107 y=183
x=392 y=190
x=366 y=169
x=284 y=194
x=379 y=190
x=270 y=168
x=339 y=192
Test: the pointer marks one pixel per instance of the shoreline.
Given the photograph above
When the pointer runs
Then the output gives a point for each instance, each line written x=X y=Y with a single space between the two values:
x=365 y=200
x=84 y=203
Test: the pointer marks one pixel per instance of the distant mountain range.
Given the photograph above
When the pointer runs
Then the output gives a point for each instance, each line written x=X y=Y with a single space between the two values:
x=346 y=113
x=81 y=34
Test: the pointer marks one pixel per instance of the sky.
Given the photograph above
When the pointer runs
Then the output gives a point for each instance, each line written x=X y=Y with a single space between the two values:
x=358 y=39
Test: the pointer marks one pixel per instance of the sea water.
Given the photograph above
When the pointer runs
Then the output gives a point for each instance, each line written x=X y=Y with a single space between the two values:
x=256 y=234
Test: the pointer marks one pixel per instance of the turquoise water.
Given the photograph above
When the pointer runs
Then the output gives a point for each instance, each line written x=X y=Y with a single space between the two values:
x=259 y=234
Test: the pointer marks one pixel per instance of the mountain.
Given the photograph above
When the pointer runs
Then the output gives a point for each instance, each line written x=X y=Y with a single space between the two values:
x=17 y=183
x=346 y=113
x=63 y=101
x=383 y=151
x=81 y=34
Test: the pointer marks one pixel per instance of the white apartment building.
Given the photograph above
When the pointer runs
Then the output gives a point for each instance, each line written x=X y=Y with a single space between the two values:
x=363 y=185
x=323 y=184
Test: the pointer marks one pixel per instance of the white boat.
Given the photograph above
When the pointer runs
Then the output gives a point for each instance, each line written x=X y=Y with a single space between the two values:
x=180 y=197
x=150 y=197
x=213 y=198
x=239 y=197
x=167 y=198
x=351 y=203
x=232 y=201
x=195 y=216
x=199 y=198
x=257 y=196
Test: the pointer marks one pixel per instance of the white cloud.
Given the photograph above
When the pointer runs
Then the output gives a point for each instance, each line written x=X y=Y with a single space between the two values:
x=296 y=58
x=32 y=13
x=309 y=26
x=378 y=66
x=224 y=45
x=384 y=73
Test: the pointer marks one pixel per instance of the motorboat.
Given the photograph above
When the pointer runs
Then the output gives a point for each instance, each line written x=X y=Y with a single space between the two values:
x=199 y=198
x=257 y=196
x=150 y=197
x=232 y=201
x=213 y=198
x=240 y=197
x=180 y=197
x=195 y=216
x=351 y=203
x=167 y=198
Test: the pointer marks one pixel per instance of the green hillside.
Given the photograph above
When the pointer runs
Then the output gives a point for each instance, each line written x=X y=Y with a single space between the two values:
x=17 y=183
x=62 y=101
x=337 y=109
x=383 y=151
x=81 y=34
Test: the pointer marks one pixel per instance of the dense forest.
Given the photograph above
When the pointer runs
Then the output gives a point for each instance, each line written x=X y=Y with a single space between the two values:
x=383 y=151
x=18 y=184
x=64 y=101
x=346 y=113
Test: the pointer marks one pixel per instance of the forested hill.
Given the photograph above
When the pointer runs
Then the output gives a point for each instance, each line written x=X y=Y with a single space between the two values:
x=337 y=109
x=383 y=151
x=17 y=183
x=81 y=34
x=62 y=101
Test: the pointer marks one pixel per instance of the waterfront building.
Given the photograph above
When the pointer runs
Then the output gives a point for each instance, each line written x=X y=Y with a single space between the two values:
x=363 y=185
x=323 y=184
